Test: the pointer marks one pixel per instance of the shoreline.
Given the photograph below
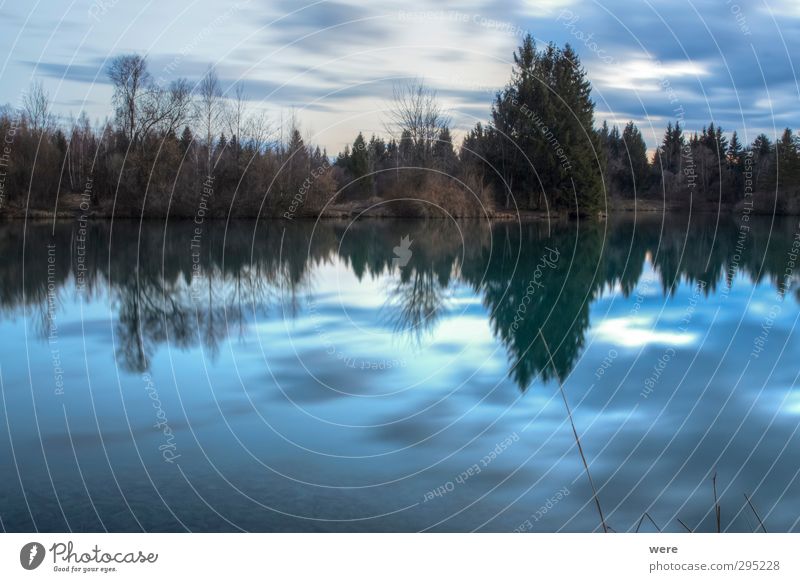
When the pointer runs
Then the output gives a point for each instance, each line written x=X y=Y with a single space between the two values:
x=351 y=211
x=525 y=216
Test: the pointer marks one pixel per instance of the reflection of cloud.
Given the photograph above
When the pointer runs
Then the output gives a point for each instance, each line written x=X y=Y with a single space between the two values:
x=790 y=405
x=632 y=332
x=760 y=308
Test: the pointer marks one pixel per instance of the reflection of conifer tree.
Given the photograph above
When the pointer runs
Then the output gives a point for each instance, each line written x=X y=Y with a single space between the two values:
x=624 y=255
x=244 y=275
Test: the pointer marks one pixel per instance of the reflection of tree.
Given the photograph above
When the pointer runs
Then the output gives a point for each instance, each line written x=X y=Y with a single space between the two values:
x=524 y=294
x=416 y=297
x=241 y=274
x=152 y=288
x=416 y=304
x=166 y=303
x=130 y=333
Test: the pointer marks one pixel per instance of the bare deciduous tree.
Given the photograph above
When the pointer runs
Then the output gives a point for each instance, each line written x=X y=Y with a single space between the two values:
x=128 y=74
x=416 y=111
x=209 y=109
x=260 y=131
x=36 y=103
x=235 y=114
x=142 y=106
x=164 y=110
x=236 y=111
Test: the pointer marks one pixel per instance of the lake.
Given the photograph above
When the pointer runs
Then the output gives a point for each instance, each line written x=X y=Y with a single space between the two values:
x=391 y=375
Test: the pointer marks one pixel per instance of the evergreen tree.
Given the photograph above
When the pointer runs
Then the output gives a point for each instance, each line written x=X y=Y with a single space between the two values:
x=391 y=151
x=359 y=166
x=604 y=133
x=222 y=145
x=577 y=135
x=669 y=154
x=545 y=137
x=787 y=160
x=735 y=151
x=709 y=154
x=614 y=165
x=735 y=167
x=377 y=153
x=343 y=159
x=638 y=168
x=762 y=145
x=762 y=161
x=443 y=154
x=406 y=150
x=626 y=163
x=296 y=164
x=721 y=145
x=475 y=151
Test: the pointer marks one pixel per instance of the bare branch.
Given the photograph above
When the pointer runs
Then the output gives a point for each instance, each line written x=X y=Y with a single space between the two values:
x=416 y=114
x=209 y=109
x=129 y=75
x=36 y=103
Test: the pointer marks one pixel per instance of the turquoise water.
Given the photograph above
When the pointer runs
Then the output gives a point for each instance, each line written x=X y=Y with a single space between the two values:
x=399 y=375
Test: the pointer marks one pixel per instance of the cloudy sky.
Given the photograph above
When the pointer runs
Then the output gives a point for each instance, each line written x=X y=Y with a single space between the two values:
x=333 y=63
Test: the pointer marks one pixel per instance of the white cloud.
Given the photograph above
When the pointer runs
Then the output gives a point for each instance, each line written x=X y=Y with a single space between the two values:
x=645 y=75
x=535 y=8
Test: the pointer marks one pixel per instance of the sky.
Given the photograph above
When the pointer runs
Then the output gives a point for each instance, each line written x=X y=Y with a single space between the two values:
x=332 y=64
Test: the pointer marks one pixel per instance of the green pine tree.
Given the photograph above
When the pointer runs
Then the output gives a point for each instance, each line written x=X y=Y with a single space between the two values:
x=546 y=151
x=636 y=154
x=359 y=166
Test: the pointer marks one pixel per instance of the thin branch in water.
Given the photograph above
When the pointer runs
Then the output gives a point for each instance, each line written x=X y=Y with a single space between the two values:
x=658 y=527
x=575 y=434
x=648 y=516
x=752 y=507
x=717 y=510
x=686 y=527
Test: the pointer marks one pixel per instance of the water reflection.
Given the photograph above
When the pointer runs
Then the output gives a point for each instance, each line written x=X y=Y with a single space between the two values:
x=316 y=376
x=530 y=277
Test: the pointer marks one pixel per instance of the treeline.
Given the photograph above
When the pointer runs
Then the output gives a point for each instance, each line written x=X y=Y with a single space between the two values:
x=184 y=149
x=709 y=165
x=539 y=152
x=159 y=153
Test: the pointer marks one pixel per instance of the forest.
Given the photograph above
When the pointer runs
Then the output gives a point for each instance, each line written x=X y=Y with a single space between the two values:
x=184 y=149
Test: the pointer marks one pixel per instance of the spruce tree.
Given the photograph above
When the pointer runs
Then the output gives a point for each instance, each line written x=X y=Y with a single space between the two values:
x=406 y=149
x=186 y=139
x=735 y=167
x=672 y=148
x=762 y=160
x=735 y=151
x=543 y=121
x=359 y=166
x=444 y=156
x=577 y=136
x=639 y=167
x=787 y=160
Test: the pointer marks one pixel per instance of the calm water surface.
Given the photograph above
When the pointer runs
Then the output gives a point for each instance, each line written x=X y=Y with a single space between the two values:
x=398 y=375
